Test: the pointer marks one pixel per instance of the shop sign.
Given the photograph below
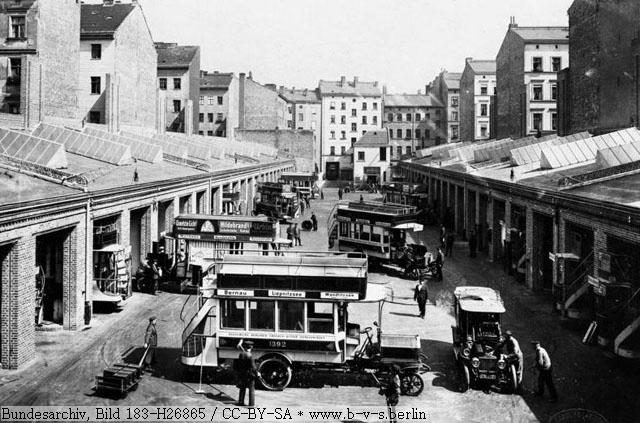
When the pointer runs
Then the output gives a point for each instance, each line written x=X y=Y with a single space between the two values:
x=605 y=262
x=363 y=221
x=383 y=224
x=234 y=227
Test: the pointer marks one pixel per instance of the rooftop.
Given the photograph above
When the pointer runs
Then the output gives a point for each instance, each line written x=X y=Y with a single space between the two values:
x=352 y=88
x=483 y=66
x=558 y=34
x=216 y=80
x=300 y=96
x=98 y=19
x=411 y=100
x=374 y=138
x=174 y=55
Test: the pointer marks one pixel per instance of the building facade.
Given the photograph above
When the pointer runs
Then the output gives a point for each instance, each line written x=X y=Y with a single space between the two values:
x=219 y=104
x=526 y=68
x=39 y=74
x=409 y=119
x=477 y=87
x=446 y=86
x=179 y=85
x=304 y=112
x=372 y=158
x=260 y=106
x=118 y=67
x=349 y=110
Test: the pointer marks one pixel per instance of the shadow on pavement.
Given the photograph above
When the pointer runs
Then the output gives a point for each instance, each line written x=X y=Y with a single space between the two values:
x=443 y=366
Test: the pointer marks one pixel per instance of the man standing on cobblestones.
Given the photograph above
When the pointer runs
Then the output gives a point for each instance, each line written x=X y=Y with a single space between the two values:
x=421 y=295
x=439 y=264
x=545 y=373
x=150 y=342
x=296 y=235
x=514 y=353
x=247 y=372
x=314 y=221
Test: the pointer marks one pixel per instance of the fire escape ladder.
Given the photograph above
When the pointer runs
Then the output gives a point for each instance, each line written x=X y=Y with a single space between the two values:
x=577 y=281
x=631 y=319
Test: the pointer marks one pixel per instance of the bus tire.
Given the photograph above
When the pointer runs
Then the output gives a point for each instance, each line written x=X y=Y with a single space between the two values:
x=274 y=373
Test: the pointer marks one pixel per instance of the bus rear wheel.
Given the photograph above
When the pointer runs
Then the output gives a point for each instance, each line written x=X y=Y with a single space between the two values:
x=274 y=374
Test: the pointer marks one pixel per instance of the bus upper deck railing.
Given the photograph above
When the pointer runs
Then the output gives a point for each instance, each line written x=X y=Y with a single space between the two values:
x=378 y=207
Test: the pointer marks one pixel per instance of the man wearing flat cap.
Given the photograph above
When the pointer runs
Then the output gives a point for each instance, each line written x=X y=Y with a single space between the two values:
x=150 y=342
x=247 y=372
x=545 y=375
x=514 y=354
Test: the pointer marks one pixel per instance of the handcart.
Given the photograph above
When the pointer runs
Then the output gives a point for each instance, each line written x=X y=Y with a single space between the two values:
x=120 y=378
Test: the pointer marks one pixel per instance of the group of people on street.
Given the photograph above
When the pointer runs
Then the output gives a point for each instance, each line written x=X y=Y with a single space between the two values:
x=294 y=232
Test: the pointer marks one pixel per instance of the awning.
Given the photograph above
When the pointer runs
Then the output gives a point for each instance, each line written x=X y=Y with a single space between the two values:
x=416 y=227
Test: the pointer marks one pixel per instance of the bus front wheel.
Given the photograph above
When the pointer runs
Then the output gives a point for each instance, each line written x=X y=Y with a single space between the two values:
x=274 y=374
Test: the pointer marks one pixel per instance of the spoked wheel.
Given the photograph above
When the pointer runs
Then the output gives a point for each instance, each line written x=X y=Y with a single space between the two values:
x=513 y=379
x=274 y=374
x=411 y=384
x=465 y=378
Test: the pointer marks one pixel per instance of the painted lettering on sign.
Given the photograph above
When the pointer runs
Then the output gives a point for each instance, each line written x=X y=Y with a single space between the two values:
x=338 y=296
x=288 y=294
x=226 y=226
x=186 y=223
x=236 y=292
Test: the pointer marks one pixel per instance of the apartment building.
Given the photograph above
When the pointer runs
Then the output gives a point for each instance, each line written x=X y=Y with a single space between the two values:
x=118 y=66
x=477 y=87
x=372 y=157
x=304 y=112
x=349 y=110
x=410 y=120
x=38 y=74
x=527 y=66
x=446 y=86
x=219 y=104
x=179 y=84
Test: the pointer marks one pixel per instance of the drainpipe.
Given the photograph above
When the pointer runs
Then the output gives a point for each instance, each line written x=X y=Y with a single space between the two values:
x=87 y=267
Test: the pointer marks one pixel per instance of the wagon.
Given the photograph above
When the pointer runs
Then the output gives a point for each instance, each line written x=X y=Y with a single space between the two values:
x=119 y=379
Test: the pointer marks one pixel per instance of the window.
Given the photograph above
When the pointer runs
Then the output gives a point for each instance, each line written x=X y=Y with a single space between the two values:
x=408 y=117
x=364 y=120
x=333 y=151
x=201 y=100
x=219 y=133
x=290 y=110
x=354 y=112
x=220 y=100
x=483 y=109
x=454 y=102
x=201 y=117
x=210 y=133
x=343 y=135
x=360 y=155
x=343 y=150
x=291 y=316
x=375 y=120
x=454 y=132
x=399 y=117
x=537 y=92
x=219 y=117
x=554 y=91
x=537 y=64
x=375 y=106
x=18 y=26
x=200 y=132
x=418 y=117
x=343 y=106
x=417 y=134
x=332 y=105
x=556 y=64
x=300 y=117
x=320 y=317
x=15 y=70
x=364 y=105
x=391 y=133
x=537 y=121
x=353 y=141
x=483 y=89
x=343 y=119
x=437 y=112
x=210 y=117
x=483 y=130
x=354 y=127
x=289 y=124
x=163 y=83
x=390 y=117
x=408 y=132
x=333 y=135
x=383 y=154
x=96 y=51
x=408 y=150
x=454 y=115
x=399 y=133
x=94 y=117
x=210 y=101
x=333 y=119
x=262 y=315
x=177 y=106
x=95 y=85
x=232 y=314
x=399 y=151
x=427 y=133
x=554 y=121
x=177 y=83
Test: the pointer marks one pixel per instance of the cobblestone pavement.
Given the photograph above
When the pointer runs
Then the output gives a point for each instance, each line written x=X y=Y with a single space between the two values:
x=586 y=376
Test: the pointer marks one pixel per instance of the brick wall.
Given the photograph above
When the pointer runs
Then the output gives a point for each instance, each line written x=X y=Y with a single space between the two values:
x=263 y=108
x=294 y=144
x=510 y=86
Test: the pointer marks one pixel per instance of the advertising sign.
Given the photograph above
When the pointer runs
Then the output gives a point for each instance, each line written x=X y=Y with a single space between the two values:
x=219 y=229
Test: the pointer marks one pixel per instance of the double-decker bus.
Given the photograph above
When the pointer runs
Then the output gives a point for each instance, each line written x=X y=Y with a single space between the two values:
x=378 y=229
x=200 y=240
x=277 y=200
x=301 y=182
x=410 y=194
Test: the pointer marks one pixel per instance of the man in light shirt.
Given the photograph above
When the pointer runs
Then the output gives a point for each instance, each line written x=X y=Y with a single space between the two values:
x=545 y=374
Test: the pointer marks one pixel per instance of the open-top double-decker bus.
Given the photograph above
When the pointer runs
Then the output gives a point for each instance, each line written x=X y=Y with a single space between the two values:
x=277 y=200
x=375 y=228
x=301 y=182
x=294 y=309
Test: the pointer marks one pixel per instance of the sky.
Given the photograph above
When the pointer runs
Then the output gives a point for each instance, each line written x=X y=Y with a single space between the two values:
x=403 y=44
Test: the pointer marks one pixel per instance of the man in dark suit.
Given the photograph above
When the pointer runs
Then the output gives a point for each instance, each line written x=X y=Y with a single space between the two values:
x=150 y=342
x=247 y=373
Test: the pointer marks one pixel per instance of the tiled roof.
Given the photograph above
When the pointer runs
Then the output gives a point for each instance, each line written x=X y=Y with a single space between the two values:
x=349 y=88
x=373 y=138
x=483 y=66
x=411 y=100
x=543 y=33
x=452 y=79
x=176 y=55
x=300 y=96
x=216 y=80
x=99 y=19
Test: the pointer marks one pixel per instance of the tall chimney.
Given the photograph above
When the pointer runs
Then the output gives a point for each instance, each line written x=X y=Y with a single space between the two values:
x=419 y=92
x=241 y=100
x=343 y=80
x=468 y=59
x=355 y=81
x=512 y=22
